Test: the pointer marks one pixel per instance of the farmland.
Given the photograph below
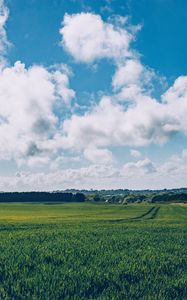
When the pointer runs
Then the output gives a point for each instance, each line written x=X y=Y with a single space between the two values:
x=93 y=251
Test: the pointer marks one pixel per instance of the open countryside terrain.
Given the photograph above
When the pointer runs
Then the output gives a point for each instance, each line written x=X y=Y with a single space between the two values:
x=93 y=251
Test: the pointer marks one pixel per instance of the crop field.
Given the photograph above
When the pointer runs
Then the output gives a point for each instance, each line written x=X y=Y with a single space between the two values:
x=93 y=251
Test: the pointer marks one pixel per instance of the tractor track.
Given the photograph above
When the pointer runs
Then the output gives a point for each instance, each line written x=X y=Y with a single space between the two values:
x=149 y=215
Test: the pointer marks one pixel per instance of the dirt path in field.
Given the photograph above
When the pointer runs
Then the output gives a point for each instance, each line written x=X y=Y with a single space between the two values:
x=150 y=214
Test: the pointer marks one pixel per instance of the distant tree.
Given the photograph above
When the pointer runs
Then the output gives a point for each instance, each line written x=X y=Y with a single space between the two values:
x=96 y=198
x=42 y=197
x=79 y=197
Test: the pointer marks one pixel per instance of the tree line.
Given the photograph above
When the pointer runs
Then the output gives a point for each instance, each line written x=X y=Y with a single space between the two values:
x=41 y=197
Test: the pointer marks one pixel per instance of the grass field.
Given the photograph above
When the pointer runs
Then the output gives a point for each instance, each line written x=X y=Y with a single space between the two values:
x=93 y=251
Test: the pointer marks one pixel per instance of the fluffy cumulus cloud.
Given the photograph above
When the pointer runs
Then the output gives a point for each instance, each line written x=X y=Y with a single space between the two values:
x=174 y=169
x=61 y=80
x=132 y=81
x=87 y=38
x=140 y=167
x=177 y=92
x=110 y=123
x=95 y=155
x=135 y=153
x=27 y=101
x=128 y=74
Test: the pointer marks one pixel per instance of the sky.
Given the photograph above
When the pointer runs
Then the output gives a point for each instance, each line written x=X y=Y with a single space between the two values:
x=93 y=94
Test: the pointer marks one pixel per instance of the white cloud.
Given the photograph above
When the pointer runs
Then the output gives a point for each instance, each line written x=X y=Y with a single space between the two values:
x=131 y=80
x=110 y=123
x=135 y=153
x=184 y=153
x=170 y=174
x=175 y=165
x=84 y=177
x=87 y=38
x=98 y=156
x=27 y=99
x=175 y=99
x=140 y=167
x=128 y=74
x=62 y=160
x=177 y=92
x=35 y=162
x=62 y=86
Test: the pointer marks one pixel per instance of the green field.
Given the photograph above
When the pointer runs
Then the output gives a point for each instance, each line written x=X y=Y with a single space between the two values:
x=93 y=251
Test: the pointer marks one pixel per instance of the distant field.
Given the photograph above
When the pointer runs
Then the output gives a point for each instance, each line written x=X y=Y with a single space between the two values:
x=93 y=251
x=48 y=212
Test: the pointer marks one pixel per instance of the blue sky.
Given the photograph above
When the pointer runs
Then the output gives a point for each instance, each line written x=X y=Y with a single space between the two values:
x=33 y=28
x=93 y=94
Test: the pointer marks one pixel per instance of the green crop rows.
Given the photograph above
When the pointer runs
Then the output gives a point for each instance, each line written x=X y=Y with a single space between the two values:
x=93 y=251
